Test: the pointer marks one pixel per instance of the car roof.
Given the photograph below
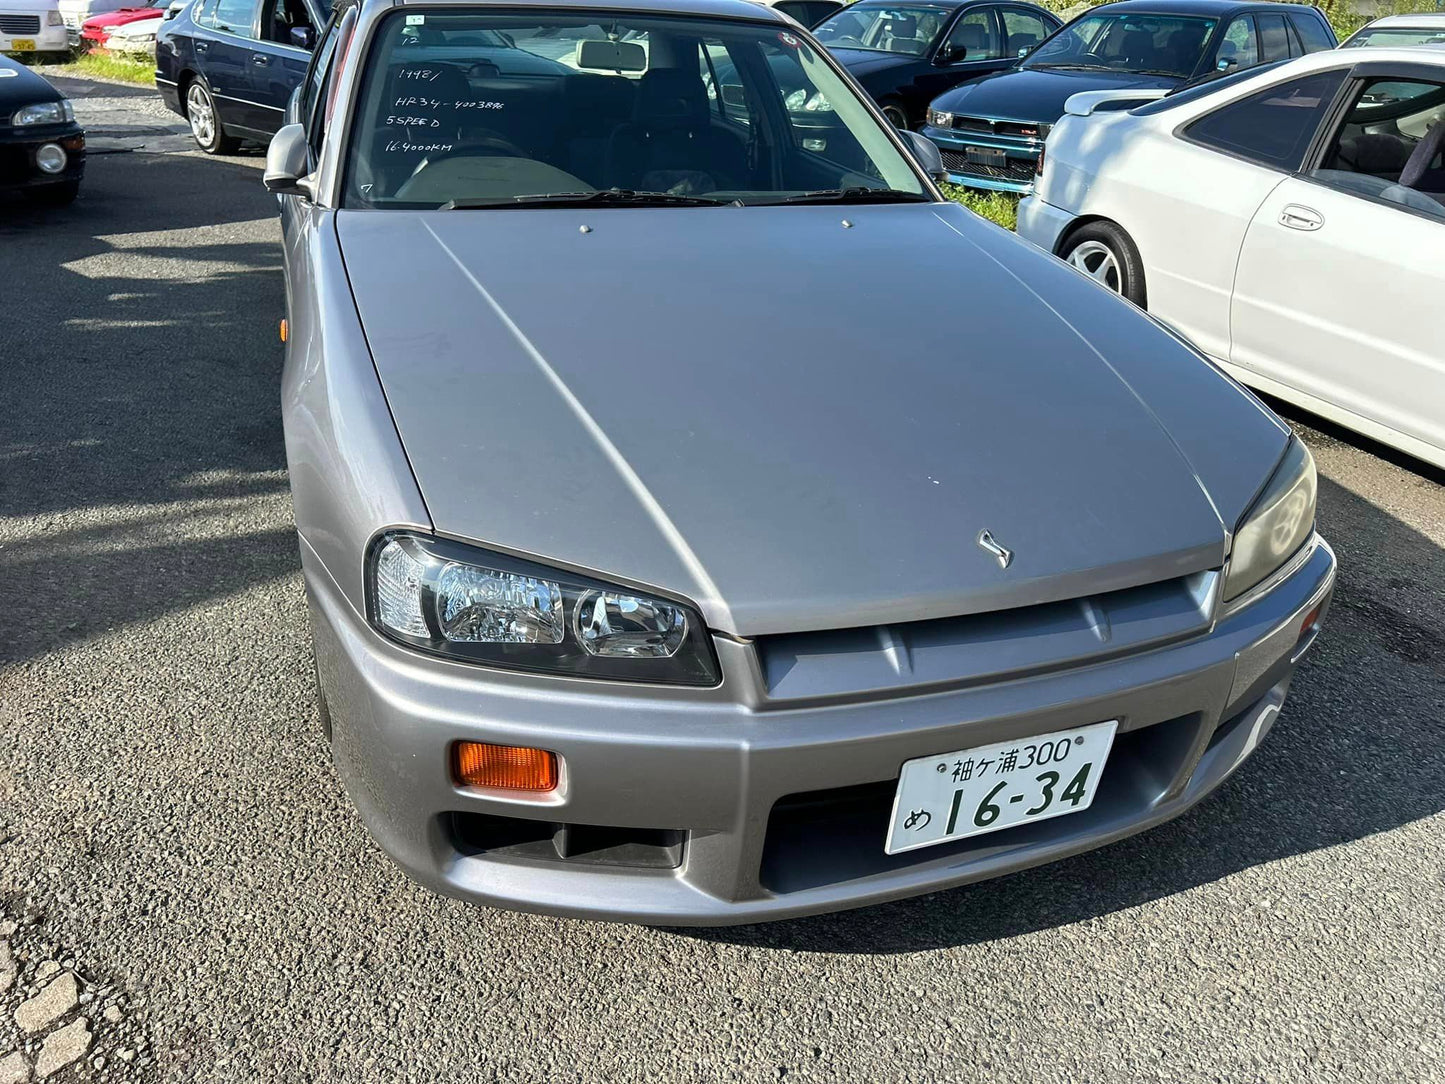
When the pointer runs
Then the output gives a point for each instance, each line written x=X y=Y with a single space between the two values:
x=1190 y=7
x=1427 y=20
x=1416 y=55
x=726 y=9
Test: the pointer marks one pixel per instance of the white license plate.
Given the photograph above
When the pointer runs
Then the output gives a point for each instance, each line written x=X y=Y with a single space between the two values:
x=22 y=45
x=973 y=791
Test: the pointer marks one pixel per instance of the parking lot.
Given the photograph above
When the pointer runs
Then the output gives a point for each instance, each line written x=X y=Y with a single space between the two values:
x=171 y=828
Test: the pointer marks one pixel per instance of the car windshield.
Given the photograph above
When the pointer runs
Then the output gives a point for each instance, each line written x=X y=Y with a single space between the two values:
x=884 y=28
x=1398 y=36
x=485 y=108
x=1138 y=44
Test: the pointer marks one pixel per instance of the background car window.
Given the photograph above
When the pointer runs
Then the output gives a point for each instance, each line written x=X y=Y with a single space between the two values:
x=1312 y=33
x=1273 y=127
x=235 y=17
x=1240 y=47
x=807 y=12
x=1273 y=38
x=204 y=12
x=280 y=17
x=887 y=28
x=1143 y=44
x=1395 y=37
x=1390 y=146
x=1022 y=31
x=974 y=37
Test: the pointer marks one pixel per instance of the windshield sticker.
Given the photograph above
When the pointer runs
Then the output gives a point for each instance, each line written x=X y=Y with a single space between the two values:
x=416 y=20
x=789 y=40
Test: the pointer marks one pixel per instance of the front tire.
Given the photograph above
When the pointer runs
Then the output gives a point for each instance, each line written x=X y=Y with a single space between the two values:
x=1104 y=252
x=205 y=121
x=896 y=114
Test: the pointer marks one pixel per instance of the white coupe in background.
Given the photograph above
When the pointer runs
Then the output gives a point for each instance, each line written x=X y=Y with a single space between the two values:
x=1290 y=221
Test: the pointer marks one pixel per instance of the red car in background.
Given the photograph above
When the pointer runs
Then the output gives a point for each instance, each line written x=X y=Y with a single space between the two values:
x=97 y=29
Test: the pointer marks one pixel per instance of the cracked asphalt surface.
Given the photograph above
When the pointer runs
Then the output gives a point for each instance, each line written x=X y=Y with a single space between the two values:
x=170 y=824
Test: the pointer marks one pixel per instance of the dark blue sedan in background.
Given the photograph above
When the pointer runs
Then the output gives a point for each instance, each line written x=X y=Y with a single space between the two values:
x=906 y=54
x=229 y=66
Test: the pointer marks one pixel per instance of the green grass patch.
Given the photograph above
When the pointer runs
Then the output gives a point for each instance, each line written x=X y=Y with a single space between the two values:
x=122 y=69
x=1000 y=207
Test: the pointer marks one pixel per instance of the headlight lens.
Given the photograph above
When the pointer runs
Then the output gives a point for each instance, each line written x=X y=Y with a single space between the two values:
x=939 y=119
x=52 y=18
x=44 y=113
x=465 y=603
x=1279 y=523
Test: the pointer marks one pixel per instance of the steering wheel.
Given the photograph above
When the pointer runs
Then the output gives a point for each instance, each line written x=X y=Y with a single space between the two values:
x=848 y=39
x=482 y=144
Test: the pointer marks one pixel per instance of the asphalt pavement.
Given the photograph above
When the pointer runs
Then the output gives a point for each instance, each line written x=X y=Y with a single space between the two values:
x=173 y=835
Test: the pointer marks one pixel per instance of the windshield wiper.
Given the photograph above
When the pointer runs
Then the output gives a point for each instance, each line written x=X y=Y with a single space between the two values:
x=570 y=199
x=856 y=194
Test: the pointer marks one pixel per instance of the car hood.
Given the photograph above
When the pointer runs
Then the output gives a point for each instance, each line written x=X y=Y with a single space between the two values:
x=1027 y=94
x=867 y=61
x=124 y=16
x=796 y=423
x=21 y=86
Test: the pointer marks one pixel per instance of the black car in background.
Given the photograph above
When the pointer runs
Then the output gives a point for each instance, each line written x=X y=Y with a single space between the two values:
x=229 y=66
x=42 y=148
x=992 y=131
x=906 y=54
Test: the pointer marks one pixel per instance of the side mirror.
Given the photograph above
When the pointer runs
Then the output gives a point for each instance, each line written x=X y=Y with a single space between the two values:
x=951 y=54
x=1225 y=63
x=927 y=154
x=176 y=7
x=303 y=37
x=286 y=163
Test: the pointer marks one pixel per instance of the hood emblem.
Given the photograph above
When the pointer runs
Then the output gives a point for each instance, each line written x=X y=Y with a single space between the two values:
x=987 y=544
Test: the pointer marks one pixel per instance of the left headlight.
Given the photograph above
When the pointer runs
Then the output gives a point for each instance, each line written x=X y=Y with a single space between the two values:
x=52 y=18
x=44 y=113
x=937 y=118
x=469 y=604
x=1278 y=524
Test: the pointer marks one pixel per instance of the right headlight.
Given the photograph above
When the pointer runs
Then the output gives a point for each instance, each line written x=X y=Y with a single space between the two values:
x=937 y=118
x=1278 y=524
x=469 y=604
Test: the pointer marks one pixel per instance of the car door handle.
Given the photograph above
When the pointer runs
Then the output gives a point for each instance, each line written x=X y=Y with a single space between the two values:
x=260 y=59
x=202 y=46
x=1301 y=218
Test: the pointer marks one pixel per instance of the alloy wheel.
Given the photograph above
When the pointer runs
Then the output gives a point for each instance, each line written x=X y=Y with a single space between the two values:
x=1098 y=261
x=202 y=115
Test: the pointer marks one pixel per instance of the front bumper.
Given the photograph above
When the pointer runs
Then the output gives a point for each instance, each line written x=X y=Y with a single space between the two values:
x=17 y=156
x=1013 y=171
x=728 y=811
x=1042 y=224
x=48 y=39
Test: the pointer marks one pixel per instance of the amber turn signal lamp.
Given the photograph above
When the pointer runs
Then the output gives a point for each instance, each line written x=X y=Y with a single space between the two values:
x=285 y=330
x=505 y=767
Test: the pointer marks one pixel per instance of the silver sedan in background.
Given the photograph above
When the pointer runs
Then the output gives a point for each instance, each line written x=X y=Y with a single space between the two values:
x=657 y=569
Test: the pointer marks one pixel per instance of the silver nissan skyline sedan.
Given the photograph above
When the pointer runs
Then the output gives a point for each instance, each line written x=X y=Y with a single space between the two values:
x=704 y=521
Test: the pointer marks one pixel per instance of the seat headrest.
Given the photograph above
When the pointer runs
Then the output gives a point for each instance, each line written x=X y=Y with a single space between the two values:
x=1138 y=43
x=971 y=37
x=1376 y=152
x=1420 y=171
x=670 y=96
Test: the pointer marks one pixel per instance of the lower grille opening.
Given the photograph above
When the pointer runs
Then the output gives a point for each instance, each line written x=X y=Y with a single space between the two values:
x=1011 y=169
x=827 y=837
x=573 y=844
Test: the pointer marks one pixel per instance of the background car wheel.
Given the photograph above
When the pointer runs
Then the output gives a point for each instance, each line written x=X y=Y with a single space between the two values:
x=54 y=195
x=1104 y=252
x=896 y=114
x=206 y=122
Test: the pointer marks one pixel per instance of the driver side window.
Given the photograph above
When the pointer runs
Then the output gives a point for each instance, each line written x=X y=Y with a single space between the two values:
x=280 y=17
x=1240 y=47
x=974 y=37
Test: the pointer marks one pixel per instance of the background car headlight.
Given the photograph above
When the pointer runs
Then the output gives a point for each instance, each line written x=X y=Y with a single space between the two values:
x=465 y=603
x=43 y=113
x=939 y=119
x=1280 y=522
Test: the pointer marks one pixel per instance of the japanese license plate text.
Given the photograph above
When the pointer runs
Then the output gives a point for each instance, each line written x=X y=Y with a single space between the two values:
x=973 y=791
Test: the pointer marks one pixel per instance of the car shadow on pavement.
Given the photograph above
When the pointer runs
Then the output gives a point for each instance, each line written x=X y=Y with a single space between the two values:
x=1357 y=751
x=141 y=430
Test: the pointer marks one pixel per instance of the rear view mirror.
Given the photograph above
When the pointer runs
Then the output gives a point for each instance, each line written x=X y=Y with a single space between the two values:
x=612 y=56
x=286 y=163
x=926 y=152
x=303 y=37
